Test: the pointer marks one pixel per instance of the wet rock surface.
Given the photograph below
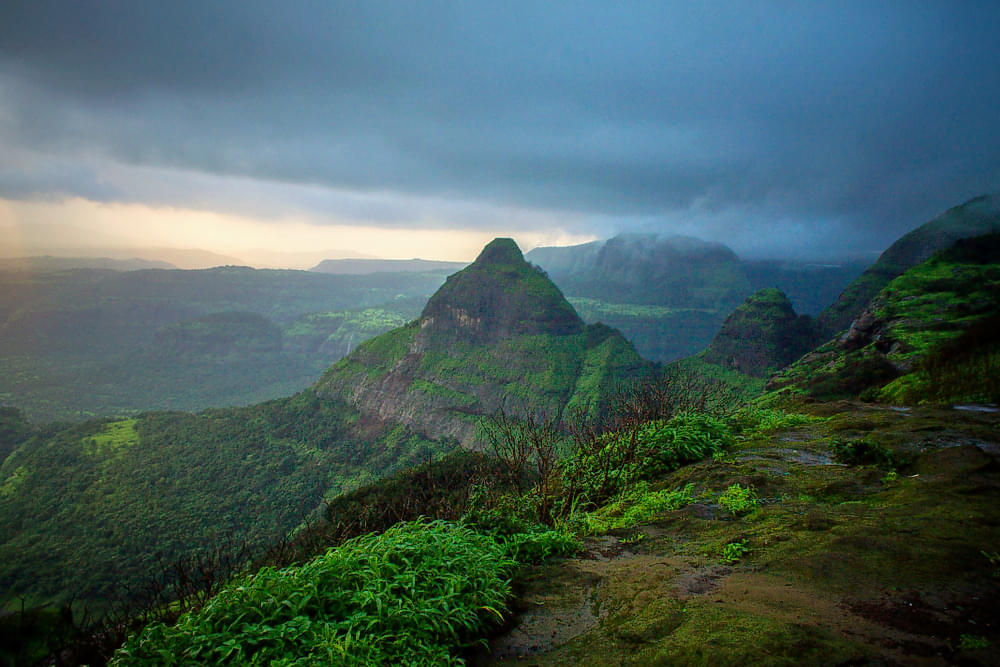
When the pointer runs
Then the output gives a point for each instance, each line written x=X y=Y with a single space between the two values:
x=846 y=564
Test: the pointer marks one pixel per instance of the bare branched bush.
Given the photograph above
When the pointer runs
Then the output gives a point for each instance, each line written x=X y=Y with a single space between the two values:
x=527 y=448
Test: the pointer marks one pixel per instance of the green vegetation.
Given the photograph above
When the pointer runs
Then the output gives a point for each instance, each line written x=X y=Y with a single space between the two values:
x=754 y=419
x=609 y=464
x=81 y=344
x=973 y=643
x=761 y=336
x=413 y=595
x=732 y=552
x=498 y=334
x=637 y=505
x=611 y=507
x=669 y=296
x=100 y=493
x=929 y=336
x=862 y=452
x=738 y=499
x=976 y=217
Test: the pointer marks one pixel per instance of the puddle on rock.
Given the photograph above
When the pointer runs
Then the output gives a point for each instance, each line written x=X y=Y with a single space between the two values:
x=567 y=609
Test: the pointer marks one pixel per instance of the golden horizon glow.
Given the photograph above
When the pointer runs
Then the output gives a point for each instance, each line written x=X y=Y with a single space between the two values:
x=33 y=227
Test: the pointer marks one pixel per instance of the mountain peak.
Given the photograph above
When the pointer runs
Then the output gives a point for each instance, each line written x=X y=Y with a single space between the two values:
x=498 y=296
x=500 y=251
x=760 y=336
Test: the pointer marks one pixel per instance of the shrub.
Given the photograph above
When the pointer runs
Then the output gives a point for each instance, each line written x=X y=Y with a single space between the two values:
x=862 y=452
x=734 y=551
x=412 y=595
x=535 y=547
x=667 y=445
x=606 y=465
x=973 y=643
x=738 y=499
x=753 y=418
x=637 y=506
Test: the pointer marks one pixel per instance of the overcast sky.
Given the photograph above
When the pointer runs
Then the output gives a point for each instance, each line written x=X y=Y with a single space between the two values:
x=425 y=128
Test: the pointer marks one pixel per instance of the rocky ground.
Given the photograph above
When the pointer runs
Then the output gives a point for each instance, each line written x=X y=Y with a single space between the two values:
x=886 y=564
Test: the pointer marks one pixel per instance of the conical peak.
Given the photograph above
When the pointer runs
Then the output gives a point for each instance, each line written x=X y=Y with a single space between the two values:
x=498 y=296
x=769 y=296
x=500 y=251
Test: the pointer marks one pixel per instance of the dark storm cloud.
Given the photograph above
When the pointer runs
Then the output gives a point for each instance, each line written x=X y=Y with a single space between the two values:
x=850 y=117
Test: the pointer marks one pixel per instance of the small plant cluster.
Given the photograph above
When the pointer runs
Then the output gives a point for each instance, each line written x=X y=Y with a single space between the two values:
x=973 y=643
x=994 y=559
x=862 y=452
x=753 y=418
x=738 y=499
x=413 y=595
x=506 y=520
x=636 y=506
x=734 y=551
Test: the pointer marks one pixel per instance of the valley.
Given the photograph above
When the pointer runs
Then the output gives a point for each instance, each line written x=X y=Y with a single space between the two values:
x=777 y=498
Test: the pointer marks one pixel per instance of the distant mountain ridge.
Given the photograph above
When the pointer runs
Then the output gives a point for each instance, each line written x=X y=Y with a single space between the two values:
x=50 y=263
x=359 y=266
x=670 y=294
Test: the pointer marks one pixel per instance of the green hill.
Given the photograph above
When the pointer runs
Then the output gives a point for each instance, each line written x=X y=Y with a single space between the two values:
x=85 y=508
x=761 y=336
x=88 y=508
x=973 y=218
x=929 y=335
x=498 y=334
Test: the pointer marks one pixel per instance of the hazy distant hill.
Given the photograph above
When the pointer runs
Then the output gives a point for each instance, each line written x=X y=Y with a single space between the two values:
x=670 y=295
x=50 y=263
x=973 y=218
x=182 y=258
x=677 y=271
x=92 y=342
x=810 y=286
x=365 y=266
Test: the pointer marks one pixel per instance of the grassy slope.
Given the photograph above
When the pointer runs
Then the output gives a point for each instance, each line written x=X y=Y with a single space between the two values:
x=87 y=508
x=917 y=315
x=974 y=218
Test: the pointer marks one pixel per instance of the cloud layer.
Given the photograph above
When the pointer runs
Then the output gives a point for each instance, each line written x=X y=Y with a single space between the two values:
x=765 y=124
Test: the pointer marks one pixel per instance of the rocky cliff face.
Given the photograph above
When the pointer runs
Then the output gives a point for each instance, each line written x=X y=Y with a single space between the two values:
x=761 y=335
x=497 y=334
